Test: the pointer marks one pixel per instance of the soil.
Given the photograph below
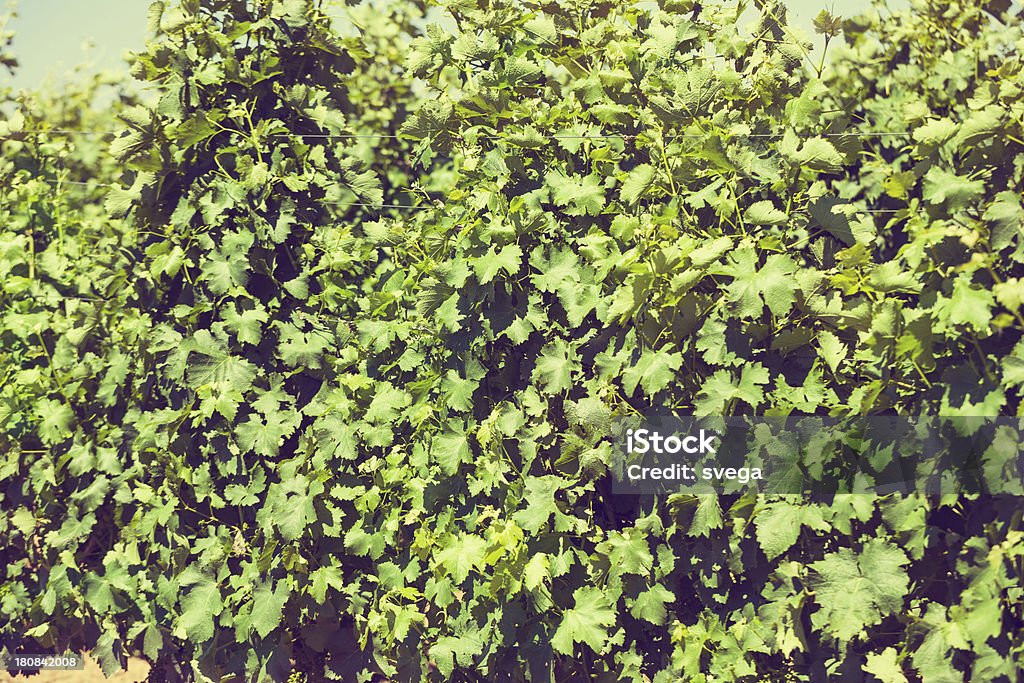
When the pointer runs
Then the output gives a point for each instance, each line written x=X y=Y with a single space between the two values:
x=137 y=672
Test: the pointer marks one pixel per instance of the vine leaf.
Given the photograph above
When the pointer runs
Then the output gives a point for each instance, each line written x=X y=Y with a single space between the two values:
x=586 y=622
x=856 y=590
x=462 y=555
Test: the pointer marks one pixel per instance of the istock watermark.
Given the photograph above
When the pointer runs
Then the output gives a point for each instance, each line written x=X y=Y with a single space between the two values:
x=645 y=440
x=821 y=455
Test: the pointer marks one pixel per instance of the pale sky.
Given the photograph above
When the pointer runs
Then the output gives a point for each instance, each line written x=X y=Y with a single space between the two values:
x=52 y=34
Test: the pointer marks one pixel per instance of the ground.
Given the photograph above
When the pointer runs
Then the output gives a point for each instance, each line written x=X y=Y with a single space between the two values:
x=137 y=672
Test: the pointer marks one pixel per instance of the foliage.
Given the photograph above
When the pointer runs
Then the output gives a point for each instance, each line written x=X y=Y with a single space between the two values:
x=297 y=429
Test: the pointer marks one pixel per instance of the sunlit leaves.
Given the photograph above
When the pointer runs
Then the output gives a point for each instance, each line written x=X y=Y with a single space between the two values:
x=508 y=259
x=723 y=388
x=754 y=287
x=246 y=324
x=637 y=182
x=555 y=367
x=854 y=591
x=264 y=435
x=764 y=213
x=884 y=666
x=56 y=419
x=586 y=623
x=120 y=199
x=654 y=371
x=1006 y=217
x=819 y=154
x=779 y=525
x=461 y=555
x=264 y=612
x=579 y=195
x=833 y=351
x=201 y=602
x=969 y=305
x=827 y=24
x=652 y=604
x=941 y=185
x=451 y=450
x=935 y=131
x=539 y=496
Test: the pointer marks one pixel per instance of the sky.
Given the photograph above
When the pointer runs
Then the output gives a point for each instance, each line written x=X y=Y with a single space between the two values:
x=55 y=35
x=52 y=36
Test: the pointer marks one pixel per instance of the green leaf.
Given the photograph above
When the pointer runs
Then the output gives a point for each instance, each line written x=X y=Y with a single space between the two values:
x=386 y=404
x=449 y=650
x=56 y=419
x=539 y=495
x=580 y=195
x=821 y=155
x=120 y=200
x=827 y=212
x=152 y=642
x=199 y=606
x=827 y=24
x=956 y=191
x=778 y=525
x=885 y=666
x=461 y=555
x=1013 y=366
x=451 y=450
x=232 y=372
x=650 y=604
x=891 y=277
x=108 y=652
x=264 y=436
x=221 y=274
x=654 y=371
x=969 y=305
x=637 y=182
x=586 y=622
x=752 y=288
x=509 y=259
x=982 y=124
x=98 y=592
x=562 y=266
x=458 y=391
x=555 y=367
x=266 y=609
x=363 y=183
x=934 y=658
x=898 y=185
x=764 y=213
x=628 y=552
x=832 y=350
x=302 y=349
x=721 y=389
x=710 y=251
x=856 y=590
x=448 y=313
x=611 y=113
x=536 y=571
x=292 y=11
x=358 y=541
x=246 y=324
x=1006 y=215
x=707 y=517
x=323 y=579
x=542 y=27
x=935 y=131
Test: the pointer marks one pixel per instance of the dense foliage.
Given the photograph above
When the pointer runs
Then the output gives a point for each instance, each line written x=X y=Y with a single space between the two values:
x=321 y=386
